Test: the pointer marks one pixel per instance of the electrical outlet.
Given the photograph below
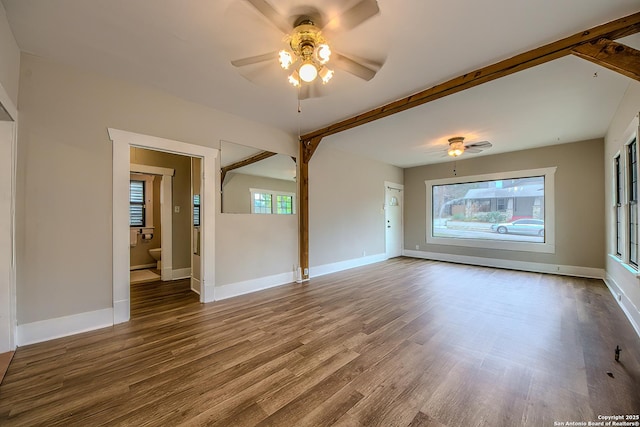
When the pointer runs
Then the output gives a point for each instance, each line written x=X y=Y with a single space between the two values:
x=176 y=209
x=417 y=247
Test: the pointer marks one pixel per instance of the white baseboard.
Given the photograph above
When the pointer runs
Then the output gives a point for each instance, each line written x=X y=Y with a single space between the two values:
x=535 y=267
x=44 y=330
x=253 y=285
x=321 y=270
x=142 y=266
x=181 y=273
x=630 y=310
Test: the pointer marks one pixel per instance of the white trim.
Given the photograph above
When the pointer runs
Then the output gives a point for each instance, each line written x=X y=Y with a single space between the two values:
x=549 y=212
x=630 y=310
x=534 y=267
x=321 y=270
x=181 y=273
x=122 y=141
x=253 y=285
x=44 y=330
x=8 y=280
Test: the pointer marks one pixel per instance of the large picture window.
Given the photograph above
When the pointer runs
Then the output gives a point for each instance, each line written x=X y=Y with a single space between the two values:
x=498 y=211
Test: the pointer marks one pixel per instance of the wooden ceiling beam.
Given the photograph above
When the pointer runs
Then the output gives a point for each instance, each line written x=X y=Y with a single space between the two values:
x=612 y=30
x=612 y=55
x=248 y=161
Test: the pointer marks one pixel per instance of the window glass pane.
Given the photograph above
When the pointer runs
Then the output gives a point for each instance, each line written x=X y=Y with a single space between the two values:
x=506 y=210
x=284 y=204
x=262 y=203
x=196 y=210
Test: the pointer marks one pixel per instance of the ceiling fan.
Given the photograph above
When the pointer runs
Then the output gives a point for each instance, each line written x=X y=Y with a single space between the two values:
x=457 y=146
x=308 y=55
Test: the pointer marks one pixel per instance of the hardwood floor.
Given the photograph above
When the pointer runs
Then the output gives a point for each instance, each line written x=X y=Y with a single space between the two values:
x=400 y=343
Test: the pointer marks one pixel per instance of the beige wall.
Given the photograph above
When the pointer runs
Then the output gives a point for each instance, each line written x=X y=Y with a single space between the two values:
x=618 y=275
x=346 y=198
x=64 y=151
x=578 y=200
x=9 y=59
x=236 y=196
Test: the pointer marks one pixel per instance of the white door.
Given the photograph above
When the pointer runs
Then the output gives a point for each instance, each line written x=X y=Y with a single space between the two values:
x=393 y=219
x=7 y=299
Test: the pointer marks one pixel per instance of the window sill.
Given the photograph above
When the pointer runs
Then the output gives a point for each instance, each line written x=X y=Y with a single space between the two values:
x=629 y=267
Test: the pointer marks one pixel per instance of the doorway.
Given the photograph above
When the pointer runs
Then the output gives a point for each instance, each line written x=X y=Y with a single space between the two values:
x=393 y=211
x=122 y=142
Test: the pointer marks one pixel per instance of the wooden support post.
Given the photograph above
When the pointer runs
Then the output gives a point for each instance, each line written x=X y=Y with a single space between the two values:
x=307 y=148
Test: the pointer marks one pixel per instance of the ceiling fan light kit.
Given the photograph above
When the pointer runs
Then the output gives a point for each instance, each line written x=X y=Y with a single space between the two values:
x=457 y=147
x=310 y=50
x=308 y=53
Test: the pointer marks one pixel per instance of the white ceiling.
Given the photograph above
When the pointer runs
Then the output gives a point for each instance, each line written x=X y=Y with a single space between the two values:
x=184 y=47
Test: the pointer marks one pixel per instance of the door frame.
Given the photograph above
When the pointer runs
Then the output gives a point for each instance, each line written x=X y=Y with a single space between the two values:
x=388 y=186
x=10 y=258
x=122 y=141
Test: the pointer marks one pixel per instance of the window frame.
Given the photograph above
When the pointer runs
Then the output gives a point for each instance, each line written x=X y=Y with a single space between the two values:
x=548 y=246
x=148 y=198
x=142 y=204
x=618 y=206
x=631 y=149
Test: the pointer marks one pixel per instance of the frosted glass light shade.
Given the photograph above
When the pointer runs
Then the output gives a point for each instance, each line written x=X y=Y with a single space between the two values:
x=308 y=72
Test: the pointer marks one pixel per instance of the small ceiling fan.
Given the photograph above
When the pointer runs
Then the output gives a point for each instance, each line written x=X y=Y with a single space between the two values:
x=308 y=54
x=457 y=146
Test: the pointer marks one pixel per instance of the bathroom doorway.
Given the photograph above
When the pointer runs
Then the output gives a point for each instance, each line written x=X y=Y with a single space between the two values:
x=205 y=270
x=164 y=219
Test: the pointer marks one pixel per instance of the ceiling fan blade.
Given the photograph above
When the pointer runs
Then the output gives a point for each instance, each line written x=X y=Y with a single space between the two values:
x=353 y=67
x=354 y=16
x=479 y=144
x=472 y=150
x=254 y=59
x=272 y=16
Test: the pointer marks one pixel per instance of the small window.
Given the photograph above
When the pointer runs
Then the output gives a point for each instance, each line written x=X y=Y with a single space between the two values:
x=136 y=203
x=196 y=210
x=272 y=202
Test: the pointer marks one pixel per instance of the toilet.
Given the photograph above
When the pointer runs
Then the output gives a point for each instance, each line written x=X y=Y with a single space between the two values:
x=156 y=253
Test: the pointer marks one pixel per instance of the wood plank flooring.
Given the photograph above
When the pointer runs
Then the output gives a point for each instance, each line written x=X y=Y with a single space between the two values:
x=401 y=343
